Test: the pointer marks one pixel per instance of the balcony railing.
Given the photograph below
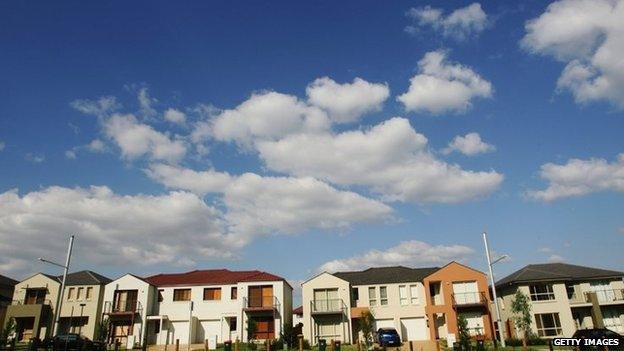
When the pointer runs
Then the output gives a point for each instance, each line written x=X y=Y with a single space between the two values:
x=327 y=306
x=603 y=295
x=260 y=303
x=469 y=299
x=35 y=302
x=123 y=307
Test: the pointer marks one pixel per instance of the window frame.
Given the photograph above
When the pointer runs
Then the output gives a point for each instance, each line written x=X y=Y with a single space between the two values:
x=176 y=297
x=372 y=298
x=214 y=291
x=543 y=331
x=383 y=300
x=233 y=293
x=536 y=295
x=403 y=295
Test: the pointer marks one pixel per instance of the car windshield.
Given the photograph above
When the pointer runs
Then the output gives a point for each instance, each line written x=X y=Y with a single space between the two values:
x=389 y=331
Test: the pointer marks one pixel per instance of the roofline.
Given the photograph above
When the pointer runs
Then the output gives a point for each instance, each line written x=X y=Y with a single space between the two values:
x=325 y=272
x=221 y=284
x=96 y=278
x=43 y=274
x=459 y=263
x=518 y=282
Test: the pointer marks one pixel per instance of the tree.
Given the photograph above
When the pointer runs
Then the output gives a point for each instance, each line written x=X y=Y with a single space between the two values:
x=521 y=308
x=101 y=330
x=252 y=327
x=6 y=332
x=367 y=326
x=464 y=333
x=287 y=335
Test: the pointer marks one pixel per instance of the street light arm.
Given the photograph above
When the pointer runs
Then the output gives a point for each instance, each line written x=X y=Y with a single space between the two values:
x=50 y=262
x=499 y=259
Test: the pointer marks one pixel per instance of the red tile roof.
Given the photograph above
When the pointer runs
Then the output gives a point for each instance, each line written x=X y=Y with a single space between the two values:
x=298 y=310
x=211 y=276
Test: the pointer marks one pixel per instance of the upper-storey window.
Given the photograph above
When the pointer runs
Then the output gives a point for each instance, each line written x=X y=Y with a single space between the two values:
x=234 y=293
x=372 y=296
x=383 y=295
x=355 y=293
x=79 y=294
x=414 y=294
x=89 y=293
x=212 y=294
x=403 y=299
x=182 y=295
x=160 y=295
x=70 y=293
x=35 y=296
x=541 y=292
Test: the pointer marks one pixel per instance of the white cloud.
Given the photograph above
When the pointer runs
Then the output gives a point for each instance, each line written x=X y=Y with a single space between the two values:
x=443 y=87
x=391 y=158
x=469 y=145
x=175 y=116
x=580 y=177
x=126 y=229
x=460 y=24
x=35 y=158
x=555 y=258
x=97 y=146
x=267 y=115
x=146 y=103
x=99 y=108
x=70 y=154
x=257 y=204
x=545 y=250
x=136 y=139
x=2 y=145
x=347 y=102
x=411 y=253
x=587 y=35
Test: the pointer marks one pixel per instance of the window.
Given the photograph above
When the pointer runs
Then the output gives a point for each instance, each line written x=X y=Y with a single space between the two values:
x=570 y=291
x=414 y=294
x=70 y=293
x=35 y=296
x=156 y=326
x=541 y=292
x=160 y=295
x=372 y=296
x=355 y=294
x=612 y=320
x=212 y=294
x=181 y=294
x=79 y=294
x=234 y=293
x=403 y=295
x=548 y=324
x=89 y=293
x=383 y=295
x=326 y=300
x=233 y=324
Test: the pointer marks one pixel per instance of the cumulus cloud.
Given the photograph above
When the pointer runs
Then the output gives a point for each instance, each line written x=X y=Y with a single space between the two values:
x=460 y=24
x=95 y=146
x=347 y=102
x=146 y=103
x=34 y=158
x=391 y=158
x=443 y=87
x=267 y=116
x=555 y=258
x=469 y=145
x=136 y=139
x=257 y=204
x=588 y=36
x=580 y=177
x=411 y=253
x=175 y=116
x=101 y=107
x=125 y=229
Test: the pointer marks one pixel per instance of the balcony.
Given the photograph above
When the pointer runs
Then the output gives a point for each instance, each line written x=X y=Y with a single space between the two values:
x=469 y=299
x=604 y=296
x=31 y=302
x=129 y=307
x=264 y=303
x=329 y=306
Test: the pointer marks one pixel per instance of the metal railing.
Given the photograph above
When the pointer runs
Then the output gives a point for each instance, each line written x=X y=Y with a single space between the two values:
x=129 y=306
x=327 y=305
x=35 y=302
x=263 y=302
x=603 y=295
x=469 y=298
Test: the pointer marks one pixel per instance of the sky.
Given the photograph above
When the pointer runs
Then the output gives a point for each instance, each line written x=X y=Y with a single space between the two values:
x=297 y=137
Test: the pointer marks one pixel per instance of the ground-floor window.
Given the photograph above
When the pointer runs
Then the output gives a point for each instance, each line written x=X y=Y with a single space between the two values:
x=265 y=328
x=233 y=324
x=613 y=320
x=327 y=328
x=548 y=324
x=475 y=323
x=73 y=324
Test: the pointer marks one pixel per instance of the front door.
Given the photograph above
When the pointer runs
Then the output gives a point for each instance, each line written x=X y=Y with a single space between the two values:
x=265 y=328
x=24 y=328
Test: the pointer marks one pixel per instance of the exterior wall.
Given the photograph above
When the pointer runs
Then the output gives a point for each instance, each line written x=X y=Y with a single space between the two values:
x=572 y=311
x=326 y=281
x=6 y=295
x=446 y=276
x=92 y=308
x=44 y=314
x=282 y=291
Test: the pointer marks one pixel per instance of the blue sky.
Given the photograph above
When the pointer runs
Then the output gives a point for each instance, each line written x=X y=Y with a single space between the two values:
x=59 y=59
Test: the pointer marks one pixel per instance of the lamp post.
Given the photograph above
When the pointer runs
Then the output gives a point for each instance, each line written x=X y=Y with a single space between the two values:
x=501 y=329
x=59 y=301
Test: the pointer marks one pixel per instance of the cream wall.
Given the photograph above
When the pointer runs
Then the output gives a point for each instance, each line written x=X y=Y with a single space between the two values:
x=325 y=281
x=40 y=281
x=92 y=308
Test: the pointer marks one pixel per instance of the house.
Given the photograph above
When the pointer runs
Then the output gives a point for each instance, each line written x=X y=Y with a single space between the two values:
x=197 y=305
x=35 y=299
x=297 y=316
x=422 y=304
x=7 y=285
x=564 y=298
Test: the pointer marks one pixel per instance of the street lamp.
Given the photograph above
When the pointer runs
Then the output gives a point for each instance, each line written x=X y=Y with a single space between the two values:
x=59 y=301
x=501 y=330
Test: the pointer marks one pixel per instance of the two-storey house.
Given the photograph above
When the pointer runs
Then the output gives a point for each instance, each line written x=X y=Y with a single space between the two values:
x=564 y=298
x=198 y=305
x=7 y=286
x=422 y=304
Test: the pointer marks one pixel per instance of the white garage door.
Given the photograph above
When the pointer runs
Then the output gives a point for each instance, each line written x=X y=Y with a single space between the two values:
x=384 y=323
x=413 y=329
x=208 y=329
x=180 y=331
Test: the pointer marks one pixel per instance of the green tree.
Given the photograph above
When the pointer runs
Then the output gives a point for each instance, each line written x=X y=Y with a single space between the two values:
x=464 y=333
x=252 y=327
x=287 y=335
x=521 y=308
x=101 y=330
x=367 y=326
x=8 y=330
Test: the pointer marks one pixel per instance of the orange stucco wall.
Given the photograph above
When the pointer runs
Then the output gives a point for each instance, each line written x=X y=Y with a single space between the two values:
x=455 y=272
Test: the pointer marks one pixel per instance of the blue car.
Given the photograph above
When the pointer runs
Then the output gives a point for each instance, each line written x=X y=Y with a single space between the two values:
x=388 y=337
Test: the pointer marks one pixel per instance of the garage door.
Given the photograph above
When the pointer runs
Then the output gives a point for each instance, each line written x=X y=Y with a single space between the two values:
x=384 y=323
x=209 y=329
x=413 y=329
x=180 y=331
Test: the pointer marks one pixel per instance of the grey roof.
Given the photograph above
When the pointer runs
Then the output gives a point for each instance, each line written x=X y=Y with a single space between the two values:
x=85 y=278
x=556 y=272
x=6 y=281
x=386 y=275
